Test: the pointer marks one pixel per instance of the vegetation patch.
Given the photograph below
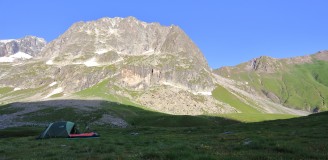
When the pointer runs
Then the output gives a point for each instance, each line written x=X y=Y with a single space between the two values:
x=223 y=95
x=6 y=109
x=301 y=86
x=5 y=90
x=255 y=117
x=57 y=95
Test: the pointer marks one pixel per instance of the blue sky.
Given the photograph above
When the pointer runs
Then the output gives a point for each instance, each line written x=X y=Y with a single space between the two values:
x=227 y=32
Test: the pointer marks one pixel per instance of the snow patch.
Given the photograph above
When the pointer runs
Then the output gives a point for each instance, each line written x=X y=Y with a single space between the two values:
x=55 y=91
x=101 y=51
x=21 y=55
x=50 y=62
x=52 y=84
x=18 y=55
x=6 y=40
x=17 y=89
x=91 y=62
x=88 y=31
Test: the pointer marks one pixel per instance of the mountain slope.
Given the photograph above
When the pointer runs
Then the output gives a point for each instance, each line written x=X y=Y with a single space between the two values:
x=298 y=82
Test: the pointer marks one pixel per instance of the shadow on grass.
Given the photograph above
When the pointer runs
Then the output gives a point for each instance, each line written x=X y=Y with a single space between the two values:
x=153 y=135
x=90 y=112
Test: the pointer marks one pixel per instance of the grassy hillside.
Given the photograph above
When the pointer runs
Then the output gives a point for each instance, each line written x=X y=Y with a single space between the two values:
x=247 y=113
x=298 y=138
x=302 y=86
x=223 y=95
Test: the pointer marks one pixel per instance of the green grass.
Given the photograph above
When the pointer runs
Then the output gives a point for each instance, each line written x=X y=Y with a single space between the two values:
x=57 y=95
x=137 y=116
x=21 y=94
x=248 y=113
x=298 y=138
x=6 y=109
x=302 y=86
x=255 y=117
x=223 y=95
x=5 y=90
x=99 y=90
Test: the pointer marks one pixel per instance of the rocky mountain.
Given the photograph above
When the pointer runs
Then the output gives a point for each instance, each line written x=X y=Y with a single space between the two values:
x=142 y=64
x=152 y=65
x=151 y=54
x=30 y=45
x=298 y=82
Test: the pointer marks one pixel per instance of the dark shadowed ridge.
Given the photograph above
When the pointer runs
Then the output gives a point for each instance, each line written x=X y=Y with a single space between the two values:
x=96 y=112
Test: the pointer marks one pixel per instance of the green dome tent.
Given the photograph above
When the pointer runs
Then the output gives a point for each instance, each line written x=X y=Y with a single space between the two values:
x=59 y=129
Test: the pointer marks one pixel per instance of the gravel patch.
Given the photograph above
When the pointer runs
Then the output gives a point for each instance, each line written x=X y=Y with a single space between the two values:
x=111 y=120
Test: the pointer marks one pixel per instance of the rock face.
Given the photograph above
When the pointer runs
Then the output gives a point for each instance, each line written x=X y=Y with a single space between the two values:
x=30 y=45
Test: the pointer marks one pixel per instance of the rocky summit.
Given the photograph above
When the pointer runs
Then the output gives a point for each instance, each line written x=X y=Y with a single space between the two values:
x=146 y=54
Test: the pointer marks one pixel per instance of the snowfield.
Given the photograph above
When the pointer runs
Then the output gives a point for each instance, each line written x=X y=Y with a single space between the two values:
x=18 y=55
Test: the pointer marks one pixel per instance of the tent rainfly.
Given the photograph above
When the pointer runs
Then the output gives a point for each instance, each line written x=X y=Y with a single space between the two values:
x=65 y=129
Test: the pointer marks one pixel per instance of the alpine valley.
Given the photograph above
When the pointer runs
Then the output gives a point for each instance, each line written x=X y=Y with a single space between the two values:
x=158 y=68
x=149 y=93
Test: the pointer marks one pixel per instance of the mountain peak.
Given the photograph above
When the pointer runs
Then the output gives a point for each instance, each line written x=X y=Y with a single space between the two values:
x=264 y=64
x=30 y=45
x=137 y=47
x=128 y=36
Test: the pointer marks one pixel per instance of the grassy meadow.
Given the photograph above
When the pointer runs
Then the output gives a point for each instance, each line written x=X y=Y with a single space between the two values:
x=153 y=135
